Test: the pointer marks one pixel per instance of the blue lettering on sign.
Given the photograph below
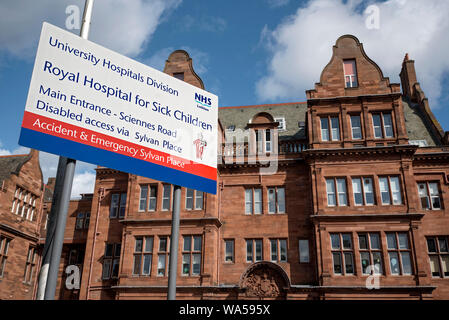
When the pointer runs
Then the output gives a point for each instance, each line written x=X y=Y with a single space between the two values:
x=203 y=101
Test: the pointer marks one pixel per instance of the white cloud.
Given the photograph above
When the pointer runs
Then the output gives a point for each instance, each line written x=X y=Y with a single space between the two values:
x=83 y=180
x=83 y=183
x=301 y=45
x=125 y=26
x=4 y=152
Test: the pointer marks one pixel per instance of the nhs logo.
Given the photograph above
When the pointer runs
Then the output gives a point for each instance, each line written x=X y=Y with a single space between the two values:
x=203 y=102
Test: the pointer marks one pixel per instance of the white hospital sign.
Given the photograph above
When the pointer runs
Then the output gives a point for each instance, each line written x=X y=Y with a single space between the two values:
x=89 y=103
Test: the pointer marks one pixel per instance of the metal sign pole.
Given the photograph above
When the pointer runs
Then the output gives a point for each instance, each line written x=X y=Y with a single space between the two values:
x=68 y=169
x=174 y=243
x=51 y=226
x=58 y=241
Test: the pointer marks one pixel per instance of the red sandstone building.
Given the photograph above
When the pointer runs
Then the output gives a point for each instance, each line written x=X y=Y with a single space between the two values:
x=356 y=208
x=21 y=198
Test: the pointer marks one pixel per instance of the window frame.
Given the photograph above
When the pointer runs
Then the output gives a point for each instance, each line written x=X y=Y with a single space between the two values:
x=353 y=78
x=165 y=253
x=382 y=126
x=24 y=201
x=307 y=260
x=79 y=222
x=278 y=254
x=232 y=241
x=118 y=207
x=336 y=192
x=284 y=127
x=191 y=253
x=353 y=127
x=370 y=250
x=429 y=196
x=30 y=265
x=165 y=198
x=398 y=251
x=330 y=128
x=390 y=190
x=276 y=200
x=439 y=255
x=110 y=261
x=253 y=200
x=140 y=256
x=148 y=198
x=86 y=220
x=342 y=252
x=253 y=244
x=262 y=142
x=195 y=200
x=5 y=243
x=363 y=190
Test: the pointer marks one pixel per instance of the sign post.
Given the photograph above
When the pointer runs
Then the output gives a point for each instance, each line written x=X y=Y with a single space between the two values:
x=174 y=244
x=66 y=171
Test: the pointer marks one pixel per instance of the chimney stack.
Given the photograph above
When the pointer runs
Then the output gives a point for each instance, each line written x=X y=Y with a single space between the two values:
x=408 y=78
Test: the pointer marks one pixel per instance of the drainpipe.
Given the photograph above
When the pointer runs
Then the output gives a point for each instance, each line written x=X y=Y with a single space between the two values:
x=220 y=188
x=39 y=215
x=100 y=198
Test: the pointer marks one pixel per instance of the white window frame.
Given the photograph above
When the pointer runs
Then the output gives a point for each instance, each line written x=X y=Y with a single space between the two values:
x=382 y=126
x=363 y=187
x=277 y=200
x=355 y=128
x=164 y=186
x=353 y=81
x=429 y=196
x=197 y=202
x=252 y=200
x=227 y=253
x=143 y=198
x=390 y=190
x=333 y=132
x=281 y=120
x=337 y=192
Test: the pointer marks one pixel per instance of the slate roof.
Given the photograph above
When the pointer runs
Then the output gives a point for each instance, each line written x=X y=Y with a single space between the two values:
x=12 y=165
x=417 y=126
x=291 y=112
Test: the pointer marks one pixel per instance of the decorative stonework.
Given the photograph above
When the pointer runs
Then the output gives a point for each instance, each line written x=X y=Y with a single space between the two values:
x=264 y=280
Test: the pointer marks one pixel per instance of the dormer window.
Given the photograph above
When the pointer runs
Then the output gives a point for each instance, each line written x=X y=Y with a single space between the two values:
x=264 y=141
x=350 y=73
x=282 y=126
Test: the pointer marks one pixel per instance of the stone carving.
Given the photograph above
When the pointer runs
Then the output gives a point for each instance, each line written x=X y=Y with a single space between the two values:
x=263 y=281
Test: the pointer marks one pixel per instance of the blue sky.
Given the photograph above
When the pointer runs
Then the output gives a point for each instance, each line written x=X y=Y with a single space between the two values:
x=246 y=52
